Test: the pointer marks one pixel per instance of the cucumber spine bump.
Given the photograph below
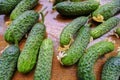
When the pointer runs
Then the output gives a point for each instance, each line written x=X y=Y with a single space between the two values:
x=28 y=56
x=87 y=61
x=77 y=49
x=8 y=62
x=23 y=6
x=44 y=64
x=104 y=27
x=69 y=31
x=76 y=8
x=20 y=26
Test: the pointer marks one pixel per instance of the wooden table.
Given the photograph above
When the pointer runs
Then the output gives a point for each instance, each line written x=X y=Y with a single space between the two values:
x=54 y=25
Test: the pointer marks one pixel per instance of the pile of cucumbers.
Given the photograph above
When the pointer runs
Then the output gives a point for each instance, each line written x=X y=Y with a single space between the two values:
x=36 y=51
x=76 y=36
x=74 y=39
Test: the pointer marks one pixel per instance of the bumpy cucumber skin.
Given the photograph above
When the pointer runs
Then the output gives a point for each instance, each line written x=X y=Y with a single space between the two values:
x=44 y=64
x=8 y=62
x=87 y=61
x=104 y=27
x=78 y=47
x=76 y=8
x=20 y=26
x=23 y=6
x=111 y=69
x=118 y=31
x=28 y=56
x=69 y=31
x=108 y=10
x=6 y=6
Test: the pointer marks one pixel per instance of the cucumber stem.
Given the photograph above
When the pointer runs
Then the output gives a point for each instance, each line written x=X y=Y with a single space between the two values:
x=41 y=13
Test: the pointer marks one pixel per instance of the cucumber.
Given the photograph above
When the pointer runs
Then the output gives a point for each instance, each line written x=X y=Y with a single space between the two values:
x=6 y=6
x=106 y=11
x=78 y=47
x=8 y=62
x=104 y=27
x=20 y=26
x=87 y=61
x=111 y=69
x=69 y=31
x=44 y=64
x=118 y=31
x=23 y=6
x=76 y=8
x=28 y=56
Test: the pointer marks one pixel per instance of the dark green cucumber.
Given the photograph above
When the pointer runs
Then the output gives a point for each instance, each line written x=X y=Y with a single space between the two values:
x=76 y=8
x=78 y=47
x=69 y=31
x=108 y=10
x=28 y=56
x=44 y=64
x=8 y=62
x=104 y=27
x=111 y=69
x=87 y=61
x=118 y=31
x=23 y=6
x=6 y=6
x=20 y=26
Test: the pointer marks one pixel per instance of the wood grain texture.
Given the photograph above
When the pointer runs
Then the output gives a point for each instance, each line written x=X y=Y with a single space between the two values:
x=54 y=25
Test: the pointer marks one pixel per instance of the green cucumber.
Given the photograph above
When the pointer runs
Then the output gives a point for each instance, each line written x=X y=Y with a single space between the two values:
x=69 y=31
x=77 y=49
x=8 y=62
x=104 y=27
x=111 y=69
x=87 y=61
x=23 y=6
x=107 y=10
x=6 y=6
x=44 y=64
x=76 y=8
x=118 y=31
x=28 y=56
x=20 y=26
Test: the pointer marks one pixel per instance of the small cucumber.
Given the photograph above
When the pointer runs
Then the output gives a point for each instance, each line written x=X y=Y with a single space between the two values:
x=76 y=8
x=8 y=62
x=44 y=64
x=6 y=6
x=118 y=31
x=77 y=49
x=69 y=31
x=28 y=56
x=106 y=11
x=20 y=26
x=87 y=61
x=111 y=69
x=104 y=27
x=23 y=6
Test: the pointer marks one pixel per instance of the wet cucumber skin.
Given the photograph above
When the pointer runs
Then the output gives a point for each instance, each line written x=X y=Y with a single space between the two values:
x=20 y=26
x=78 y=47
x=44 y=64
x=8 y=62
x=69 y=31
x=28 y=56
x=23 y=6
x=76 y=8
x=6 y=6
x=111 y=69
x=108 y=10
x=87 y=61
x=104 y=27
